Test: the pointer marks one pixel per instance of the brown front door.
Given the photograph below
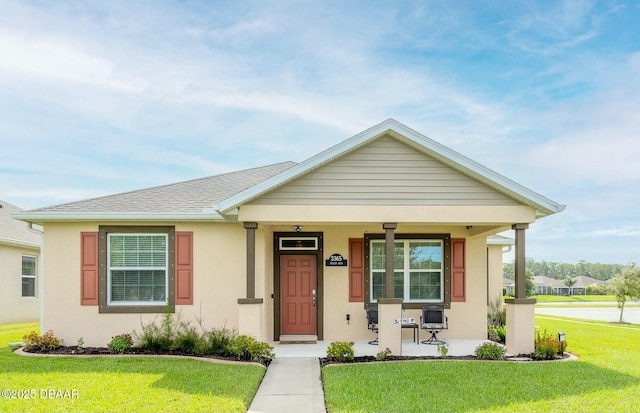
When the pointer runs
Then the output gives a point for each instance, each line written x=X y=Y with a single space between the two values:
x=298 y=292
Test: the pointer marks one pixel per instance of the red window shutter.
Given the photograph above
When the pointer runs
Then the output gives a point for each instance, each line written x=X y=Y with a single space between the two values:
x=356 y=270
x=458 y=281
x=184 y=268
x=88 y=268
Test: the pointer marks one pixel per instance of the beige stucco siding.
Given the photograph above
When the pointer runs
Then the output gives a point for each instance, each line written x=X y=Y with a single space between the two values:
x=219 y=276
x=495 y=271
x=218 y=282
x=466 y=319
x=13 y=307
x=385 y=172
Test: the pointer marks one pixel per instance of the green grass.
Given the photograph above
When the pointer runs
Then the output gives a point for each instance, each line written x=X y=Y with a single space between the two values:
x=122 y=384
x=606 y=378
x=573 y=298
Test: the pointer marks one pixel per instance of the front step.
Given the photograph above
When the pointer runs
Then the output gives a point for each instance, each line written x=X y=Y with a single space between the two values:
x=298 y=339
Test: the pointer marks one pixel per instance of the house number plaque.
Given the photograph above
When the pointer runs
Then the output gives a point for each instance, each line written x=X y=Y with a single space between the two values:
x=336 y=260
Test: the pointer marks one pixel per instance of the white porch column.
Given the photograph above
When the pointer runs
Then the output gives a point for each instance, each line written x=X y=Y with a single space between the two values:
x=520 y=310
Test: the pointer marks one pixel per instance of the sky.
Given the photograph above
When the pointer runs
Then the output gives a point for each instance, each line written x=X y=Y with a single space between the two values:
x=98 y=98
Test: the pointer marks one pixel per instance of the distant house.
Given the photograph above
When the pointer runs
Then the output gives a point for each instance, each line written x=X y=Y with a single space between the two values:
x=296 y=251
x=509 y=286
x=587 y=282
x=19 y=263
x=551 y=286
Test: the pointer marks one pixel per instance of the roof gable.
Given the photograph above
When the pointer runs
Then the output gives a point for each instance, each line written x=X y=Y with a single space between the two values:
x=384 y=172
x=412 y=139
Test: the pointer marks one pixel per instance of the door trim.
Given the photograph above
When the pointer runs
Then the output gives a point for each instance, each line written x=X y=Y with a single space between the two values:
x=319 y=279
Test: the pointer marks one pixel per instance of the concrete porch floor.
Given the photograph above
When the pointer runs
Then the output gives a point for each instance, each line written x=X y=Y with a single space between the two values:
x=363 y=348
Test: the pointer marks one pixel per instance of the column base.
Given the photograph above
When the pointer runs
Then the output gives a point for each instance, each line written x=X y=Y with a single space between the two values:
x=520 y=326
x=389 y=334
x=250 y=316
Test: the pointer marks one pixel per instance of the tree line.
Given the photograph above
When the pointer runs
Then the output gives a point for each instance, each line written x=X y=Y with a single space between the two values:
x=563 y=270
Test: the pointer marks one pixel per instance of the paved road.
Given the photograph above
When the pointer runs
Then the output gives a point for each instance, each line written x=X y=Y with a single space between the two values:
x=630 y=315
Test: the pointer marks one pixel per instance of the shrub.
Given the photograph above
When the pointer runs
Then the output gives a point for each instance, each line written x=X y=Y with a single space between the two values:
x=47 y=342
x=497 y=333
x=443 y=349
x=153 y=339
x=186 y=338
x=120 y=344
x=215 y=342
x=80 y=345
x=383 y=354
x=341 y=351
x=490 y=351
x=547 y=346
x=497 y=315
x=248 y=348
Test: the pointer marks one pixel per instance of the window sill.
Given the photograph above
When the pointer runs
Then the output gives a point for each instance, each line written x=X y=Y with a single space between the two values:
x=134 y=309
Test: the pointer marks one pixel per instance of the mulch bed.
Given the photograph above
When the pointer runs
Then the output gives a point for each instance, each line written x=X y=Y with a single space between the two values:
x=372 y=359
x=103 y=351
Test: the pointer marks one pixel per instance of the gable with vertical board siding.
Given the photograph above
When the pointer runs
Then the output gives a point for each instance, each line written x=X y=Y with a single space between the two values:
x=385 y=172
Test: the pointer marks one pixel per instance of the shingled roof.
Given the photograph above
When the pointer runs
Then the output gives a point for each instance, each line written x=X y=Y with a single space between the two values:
x=13 y=232
x=189 y=197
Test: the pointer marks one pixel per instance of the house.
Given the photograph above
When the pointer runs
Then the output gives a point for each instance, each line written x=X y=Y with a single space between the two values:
x=19 y=268
x=587 y=285
x=296 y=251
x=508 y=286
x=551 y=286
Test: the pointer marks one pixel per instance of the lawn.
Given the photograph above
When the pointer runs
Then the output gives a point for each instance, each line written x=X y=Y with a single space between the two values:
x=605 y=378
x=68 y=384
x=573 y=298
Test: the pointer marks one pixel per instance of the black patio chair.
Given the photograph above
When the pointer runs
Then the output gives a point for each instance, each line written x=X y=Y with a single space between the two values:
x=372 y=320
x=433 y=320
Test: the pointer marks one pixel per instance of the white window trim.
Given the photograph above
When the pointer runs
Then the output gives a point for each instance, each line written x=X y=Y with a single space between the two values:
x=34 y=277
x=407 y=270
x=165 y=268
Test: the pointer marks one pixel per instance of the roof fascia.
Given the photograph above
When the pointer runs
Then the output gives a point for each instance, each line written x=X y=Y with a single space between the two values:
x=19 y=243
x=41 y=217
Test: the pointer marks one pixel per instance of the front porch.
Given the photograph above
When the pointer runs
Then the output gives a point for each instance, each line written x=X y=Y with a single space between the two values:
x=457 y=347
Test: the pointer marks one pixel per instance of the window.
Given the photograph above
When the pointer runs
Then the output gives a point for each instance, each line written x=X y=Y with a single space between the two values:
x=298 y=243
x=422 y=268
x=28 y=276
x=138 y=265
x=136 y=272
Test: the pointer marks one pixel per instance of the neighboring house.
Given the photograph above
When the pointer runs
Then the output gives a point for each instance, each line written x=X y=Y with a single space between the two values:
x=509 y=286
x=586 y=282
x=551 y=286
x=19 y=262
x=295 y=250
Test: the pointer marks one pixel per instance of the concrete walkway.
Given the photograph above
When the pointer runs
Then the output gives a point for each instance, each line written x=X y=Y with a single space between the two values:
x=292 y=384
